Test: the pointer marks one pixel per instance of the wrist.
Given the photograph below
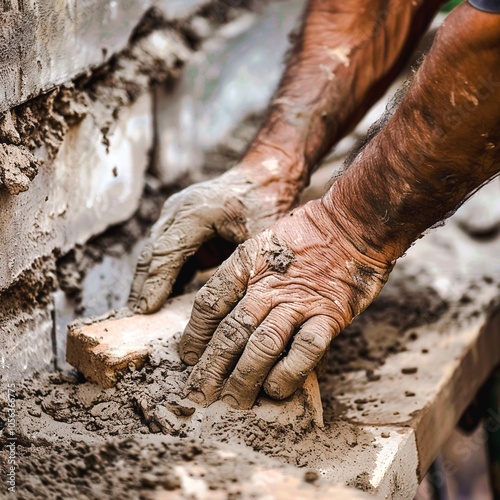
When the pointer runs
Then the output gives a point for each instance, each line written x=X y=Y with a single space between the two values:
x=364 y=207
x=269 y=161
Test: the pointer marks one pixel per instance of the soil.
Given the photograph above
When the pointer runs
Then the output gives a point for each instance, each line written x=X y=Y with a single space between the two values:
x=18 y=168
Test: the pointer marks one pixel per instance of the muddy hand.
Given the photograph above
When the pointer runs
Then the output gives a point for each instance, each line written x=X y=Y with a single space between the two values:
x=234 y=206
x=270 y=311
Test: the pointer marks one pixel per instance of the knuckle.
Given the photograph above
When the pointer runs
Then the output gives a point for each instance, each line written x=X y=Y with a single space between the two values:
x=146 y=255
x=207 y=300
x=315 y=341
x=268 y=342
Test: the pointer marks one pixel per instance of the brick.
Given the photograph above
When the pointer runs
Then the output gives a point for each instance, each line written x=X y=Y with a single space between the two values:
x=102 y=351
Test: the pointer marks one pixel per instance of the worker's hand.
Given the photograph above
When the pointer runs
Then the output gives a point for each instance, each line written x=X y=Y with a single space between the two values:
x=234 y=206
x=270 y=311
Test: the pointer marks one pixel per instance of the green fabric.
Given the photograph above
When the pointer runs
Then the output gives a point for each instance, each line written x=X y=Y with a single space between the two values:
x=451 y=5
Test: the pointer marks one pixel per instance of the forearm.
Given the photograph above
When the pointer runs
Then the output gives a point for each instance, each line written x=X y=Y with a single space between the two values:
x=347 y=55
x=439 y=147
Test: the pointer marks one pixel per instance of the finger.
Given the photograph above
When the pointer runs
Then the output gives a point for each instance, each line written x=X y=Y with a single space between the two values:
x=170 y=252
x=222 y=353
x=263 y=349
x=214 y=302
x=143 y=262
x=308 y=347
x=141 y=273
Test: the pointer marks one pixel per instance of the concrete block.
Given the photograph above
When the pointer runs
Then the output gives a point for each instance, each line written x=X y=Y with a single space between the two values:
x=87 y=188
x=45 y=43
x=30 y=349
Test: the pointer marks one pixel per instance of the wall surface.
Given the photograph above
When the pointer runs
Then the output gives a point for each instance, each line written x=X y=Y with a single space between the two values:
x=44 y=43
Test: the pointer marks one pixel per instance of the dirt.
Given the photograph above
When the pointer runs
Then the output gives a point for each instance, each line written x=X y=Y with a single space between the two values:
x=136 y=439
x=18 y=168
x=75 y=437
x=278 y=256
x=386 y=325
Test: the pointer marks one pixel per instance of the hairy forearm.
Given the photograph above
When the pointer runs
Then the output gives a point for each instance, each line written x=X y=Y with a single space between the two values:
x=347 y=55
x=442 y=143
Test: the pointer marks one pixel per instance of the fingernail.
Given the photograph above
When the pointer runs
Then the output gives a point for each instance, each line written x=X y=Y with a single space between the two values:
x=190 y=358
x=141 y=306
x=273 y=389
x=230 y=401
x=197 y=397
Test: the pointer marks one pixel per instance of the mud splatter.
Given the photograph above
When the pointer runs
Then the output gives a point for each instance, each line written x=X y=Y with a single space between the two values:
x=278 y=256
x=18 y=167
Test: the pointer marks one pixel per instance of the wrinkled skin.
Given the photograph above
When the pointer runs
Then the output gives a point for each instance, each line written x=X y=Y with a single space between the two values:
x=269 y=313
x=233 y=206
x=336 y=253
x=310 y=112
x=299 y=282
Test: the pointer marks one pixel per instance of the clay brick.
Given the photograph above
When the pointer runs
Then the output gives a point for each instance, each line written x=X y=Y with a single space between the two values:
x=104 y=350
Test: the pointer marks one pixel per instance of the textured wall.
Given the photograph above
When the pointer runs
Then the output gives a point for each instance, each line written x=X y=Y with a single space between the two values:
x=48 y=42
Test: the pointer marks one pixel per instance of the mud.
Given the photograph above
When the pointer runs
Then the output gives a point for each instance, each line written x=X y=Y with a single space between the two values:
x=278 y=256
x=18 y=168
x=73 y=436
x=47 y=119
x=29 y=292
x=390 y=319
x=121 y=466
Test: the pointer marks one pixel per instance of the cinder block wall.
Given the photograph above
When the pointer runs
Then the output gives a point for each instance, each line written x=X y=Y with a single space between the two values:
x=99 y=96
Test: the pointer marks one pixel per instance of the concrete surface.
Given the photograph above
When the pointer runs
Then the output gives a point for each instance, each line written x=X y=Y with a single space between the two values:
x=86 y=189
x=48 y=42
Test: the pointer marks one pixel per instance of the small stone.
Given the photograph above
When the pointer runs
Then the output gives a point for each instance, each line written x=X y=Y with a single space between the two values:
x=149 y=480
x=311 y=476
x=409 y=370
x=35 y=412
x=386 y=435
x=170 y=482
x=154 y=427
x=409 y=394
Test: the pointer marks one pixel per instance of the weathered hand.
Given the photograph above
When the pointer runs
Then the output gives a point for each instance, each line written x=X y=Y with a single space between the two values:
x=234 y=206
x=270 y=311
